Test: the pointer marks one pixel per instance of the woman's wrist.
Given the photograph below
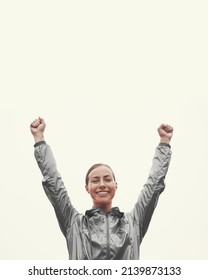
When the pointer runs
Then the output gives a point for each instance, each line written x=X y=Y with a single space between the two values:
x=38 y=137
x=165 y=140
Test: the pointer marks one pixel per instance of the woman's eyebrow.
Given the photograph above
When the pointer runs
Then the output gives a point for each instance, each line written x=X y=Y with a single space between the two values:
x=97 y=177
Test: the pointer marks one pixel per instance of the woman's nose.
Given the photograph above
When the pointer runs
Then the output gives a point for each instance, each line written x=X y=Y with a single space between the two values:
x=102 y=184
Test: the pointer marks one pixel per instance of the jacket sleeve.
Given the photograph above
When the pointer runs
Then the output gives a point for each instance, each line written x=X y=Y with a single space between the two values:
x=148 y=198
x=54 y=186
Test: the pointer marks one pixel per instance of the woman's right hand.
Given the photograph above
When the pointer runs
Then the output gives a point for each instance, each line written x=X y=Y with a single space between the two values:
x=37 y=128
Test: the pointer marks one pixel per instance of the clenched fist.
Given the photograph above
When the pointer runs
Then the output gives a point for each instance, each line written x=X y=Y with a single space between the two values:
x=37 y=128
x=165 y=132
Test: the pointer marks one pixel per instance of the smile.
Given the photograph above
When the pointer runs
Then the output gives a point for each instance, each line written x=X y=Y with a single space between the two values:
x=102 y=192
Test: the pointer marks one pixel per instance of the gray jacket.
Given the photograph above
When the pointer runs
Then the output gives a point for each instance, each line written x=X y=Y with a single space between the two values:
x=98 y=235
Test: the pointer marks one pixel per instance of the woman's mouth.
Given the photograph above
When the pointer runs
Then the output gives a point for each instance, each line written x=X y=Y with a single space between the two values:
x=102 y=193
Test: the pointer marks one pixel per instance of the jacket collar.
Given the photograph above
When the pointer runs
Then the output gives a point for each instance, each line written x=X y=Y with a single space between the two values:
x=115 y=211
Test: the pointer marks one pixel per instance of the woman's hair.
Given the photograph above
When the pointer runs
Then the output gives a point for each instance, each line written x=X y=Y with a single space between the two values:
x=95 y=166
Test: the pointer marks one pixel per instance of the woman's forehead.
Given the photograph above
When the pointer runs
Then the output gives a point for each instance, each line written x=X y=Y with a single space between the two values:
x=100 y=171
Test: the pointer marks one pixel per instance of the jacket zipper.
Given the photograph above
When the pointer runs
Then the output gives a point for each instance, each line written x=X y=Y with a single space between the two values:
x=108 y=241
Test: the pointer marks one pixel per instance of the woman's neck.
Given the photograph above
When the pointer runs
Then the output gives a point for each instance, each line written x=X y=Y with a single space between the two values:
x=105 y=207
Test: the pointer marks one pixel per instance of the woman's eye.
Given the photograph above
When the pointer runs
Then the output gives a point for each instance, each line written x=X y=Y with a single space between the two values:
x=108 y=180
x=95 y=181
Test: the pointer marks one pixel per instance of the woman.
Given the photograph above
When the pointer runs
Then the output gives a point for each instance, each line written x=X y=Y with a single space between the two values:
x=103 y=232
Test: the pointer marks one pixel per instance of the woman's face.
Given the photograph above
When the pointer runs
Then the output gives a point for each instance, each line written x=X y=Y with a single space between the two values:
x=101 y=186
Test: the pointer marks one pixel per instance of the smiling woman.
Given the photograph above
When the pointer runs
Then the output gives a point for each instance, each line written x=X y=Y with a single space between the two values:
x=104 y=232
x=101 y=185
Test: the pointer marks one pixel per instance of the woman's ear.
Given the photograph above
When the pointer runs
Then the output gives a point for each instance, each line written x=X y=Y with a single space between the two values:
x=86 y=187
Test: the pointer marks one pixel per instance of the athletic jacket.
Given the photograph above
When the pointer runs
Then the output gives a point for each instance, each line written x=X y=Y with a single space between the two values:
x=98 y=235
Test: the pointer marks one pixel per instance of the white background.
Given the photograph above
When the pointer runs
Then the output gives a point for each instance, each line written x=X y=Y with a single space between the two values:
x=104 y=75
